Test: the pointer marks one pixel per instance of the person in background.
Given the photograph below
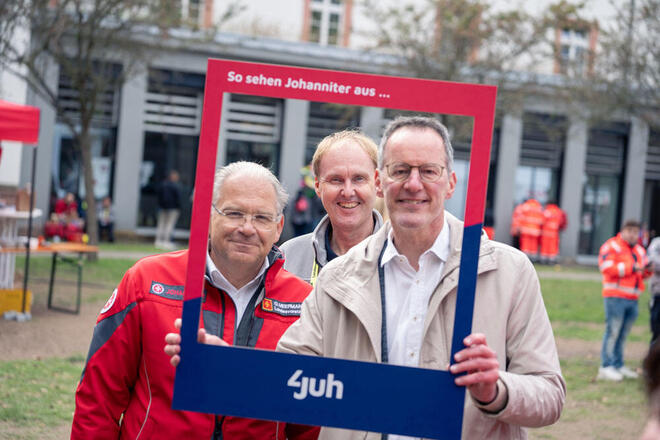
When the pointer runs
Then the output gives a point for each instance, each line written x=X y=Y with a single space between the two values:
x=303 y=207
x=531 y=222
x=127 y=383
x=654 y=258
x=65 y=222
x=344 y=166
x=624 y=265
x=66 y=208
x=106 y=219
x=169 y=204
x=554 y=221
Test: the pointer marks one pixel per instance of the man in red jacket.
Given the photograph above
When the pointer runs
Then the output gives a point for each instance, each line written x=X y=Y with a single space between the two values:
x=624 y=266
x=127 y=384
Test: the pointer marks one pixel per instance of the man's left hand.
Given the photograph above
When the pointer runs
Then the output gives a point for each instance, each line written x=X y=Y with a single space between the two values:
x=480 y=363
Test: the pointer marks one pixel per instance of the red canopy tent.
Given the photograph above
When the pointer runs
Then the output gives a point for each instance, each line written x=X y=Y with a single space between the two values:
x=21 y=123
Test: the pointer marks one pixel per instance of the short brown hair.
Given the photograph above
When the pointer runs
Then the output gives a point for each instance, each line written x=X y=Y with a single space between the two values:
x=329 y=141
x=631 y=223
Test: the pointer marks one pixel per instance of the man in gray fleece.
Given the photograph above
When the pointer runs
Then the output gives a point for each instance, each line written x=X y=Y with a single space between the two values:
x=344 y=166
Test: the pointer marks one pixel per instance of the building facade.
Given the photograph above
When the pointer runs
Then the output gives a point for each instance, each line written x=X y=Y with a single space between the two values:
x=599 y=174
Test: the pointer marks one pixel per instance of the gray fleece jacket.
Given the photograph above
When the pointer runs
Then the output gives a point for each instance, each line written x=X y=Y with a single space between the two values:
x=301 y=252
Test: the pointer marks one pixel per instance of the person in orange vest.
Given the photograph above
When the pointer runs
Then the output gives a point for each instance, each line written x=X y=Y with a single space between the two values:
x=554 y=220
x=516 y=218
x=530 y=228
x=624 y=265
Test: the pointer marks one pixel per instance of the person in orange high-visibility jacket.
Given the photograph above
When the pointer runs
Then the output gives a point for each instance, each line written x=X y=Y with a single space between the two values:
x=554 y=220
x=530 y=227
x=624 y=265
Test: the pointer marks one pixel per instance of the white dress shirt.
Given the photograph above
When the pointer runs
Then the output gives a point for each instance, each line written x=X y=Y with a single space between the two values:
x=241 y=297
x=407 y=295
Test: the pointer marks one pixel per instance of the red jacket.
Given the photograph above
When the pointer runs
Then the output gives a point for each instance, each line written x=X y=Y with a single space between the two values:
x=616 y=261
x=128 y=373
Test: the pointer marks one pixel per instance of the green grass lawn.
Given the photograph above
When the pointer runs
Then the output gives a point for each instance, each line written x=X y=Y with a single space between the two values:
x=37 y=395
x=575 y=308
x=38 y=392
x=568 y=269
x=99 y=277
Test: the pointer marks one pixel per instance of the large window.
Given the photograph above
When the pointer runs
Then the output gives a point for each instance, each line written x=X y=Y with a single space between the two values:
x=163 y=153
x=651 y=213
x=172 y=119
x=542 y=149
x=254 y=130
x=325 y=119
x=575 y=45
x=601 y=198
x=67 y=170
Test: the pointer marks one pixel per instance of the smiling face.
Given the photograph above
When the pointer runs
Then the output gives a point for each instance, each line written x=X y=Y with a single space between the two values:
x=346 y=185
x=243 y=248
x=416 y=206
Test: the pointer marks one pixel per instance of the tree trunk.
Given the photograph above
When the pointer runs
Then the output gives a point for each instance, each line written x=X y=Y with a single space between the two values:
x=85 y=143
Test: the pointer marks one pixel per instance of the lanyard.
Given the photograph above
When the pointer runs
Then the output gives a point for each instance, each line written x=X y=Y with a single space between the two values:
x=383 y=326
x=384 y=355
x=315 y=273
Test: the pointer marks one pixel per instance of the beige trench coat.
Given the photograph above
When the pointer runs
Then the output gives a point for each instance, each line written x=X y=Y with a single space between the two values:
x=341 y=318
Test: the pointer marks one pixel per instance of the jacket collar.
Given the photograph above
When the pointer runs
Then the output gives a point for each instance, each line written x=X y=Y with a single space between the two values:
x=318 y=236
x=275 y=260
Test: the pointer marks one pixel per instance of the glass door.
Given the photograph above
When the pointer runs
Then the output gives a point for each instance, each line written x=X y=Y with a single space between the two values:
x=600 y=207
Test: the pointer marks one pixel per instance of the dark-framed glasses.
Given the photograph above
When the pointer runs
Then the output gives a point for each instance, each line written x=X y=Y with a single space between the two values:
x=238 y=218
x=428 y=172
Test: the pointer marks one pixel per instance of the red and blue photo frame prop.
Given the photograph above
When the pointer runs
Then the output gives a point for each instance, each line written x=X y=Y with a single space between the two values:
x=358 y=395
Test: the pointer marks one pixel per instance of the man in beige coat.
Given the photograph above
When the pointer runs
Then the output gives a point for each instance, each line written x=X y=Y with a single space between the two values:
x=510 y=360
x=513 y=374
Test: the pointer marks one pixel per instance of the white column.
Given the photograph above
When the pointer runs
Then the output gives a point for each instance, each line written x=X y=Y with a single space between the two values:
x=130 y=145
x=507 y=164
x=570 y=199
x=633 y=189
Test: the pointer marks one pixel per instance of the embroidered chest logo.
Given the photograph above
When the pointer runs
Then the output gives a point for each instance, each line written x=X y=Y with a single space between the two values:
x=166 y=291
x=281 y=308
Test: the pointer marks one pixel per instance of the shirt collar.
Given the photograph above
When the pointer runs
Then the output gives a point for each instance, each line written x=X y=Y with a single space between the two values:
x=440 y=247
x=218 y=279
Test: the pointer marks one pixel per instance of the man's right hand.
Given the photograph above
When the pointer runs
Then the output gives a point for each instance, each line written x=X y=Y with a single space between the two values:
x=173 y=342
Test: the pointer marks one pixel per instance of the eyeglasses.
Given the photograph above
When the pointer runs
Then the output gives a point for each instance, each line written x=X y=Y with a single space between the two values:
x=428 y=172
x=238 y=218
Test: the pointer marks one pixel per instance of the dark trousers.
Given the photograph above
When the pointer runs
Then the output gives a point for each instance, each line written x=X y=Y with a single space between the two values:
x=108 y=230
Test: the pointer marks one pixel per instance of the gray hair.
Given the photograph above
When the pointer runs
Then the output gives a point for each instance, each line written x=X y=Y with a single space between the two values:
x=419 y=122
x=255 y=171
